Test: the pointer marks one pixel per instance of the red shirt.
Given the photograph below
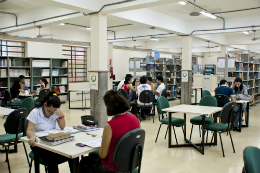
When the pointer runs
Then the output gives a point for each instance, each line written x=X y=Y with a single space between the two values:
x=120 y=125
x=125 y=88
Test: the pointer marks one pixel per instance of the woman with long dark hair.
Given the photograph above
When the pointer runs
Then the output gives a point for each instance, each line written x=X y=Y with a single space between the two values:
x=45 y=116
x=44 y=84
x=15 y=90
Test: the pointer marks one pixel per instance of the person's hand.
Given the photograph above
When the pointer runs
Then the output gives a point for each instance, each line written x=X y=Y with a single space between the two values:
x=32 y=141
x=155 y=85
x=22 y=90
x=58 y=112
x=233 y=82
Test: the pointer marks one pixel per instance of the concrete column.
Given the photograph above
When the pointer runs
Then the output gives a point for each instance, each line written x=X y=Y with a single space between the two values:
x=186 y=66
x=99 y=63
x=223 y=51
x=110 y=56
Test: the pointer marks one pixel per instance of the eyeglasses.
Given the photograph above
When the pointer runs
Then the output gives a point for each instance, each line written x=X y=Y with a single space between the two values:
x=50 y=112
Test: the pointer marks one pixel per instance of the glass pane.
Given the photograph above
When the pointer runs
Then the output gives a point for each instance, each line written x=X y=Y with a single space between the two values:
x=66 y=56
x=14 y=43
x=15 y=54
x=4 y=42
x=80 y=79
x=80 y=48
x=80 y=70
x=80 y=66
x=4 y=53
x=66 y=47
x=66 y=52
x=16 y=49
x=72 y=79
x=80 y=53
x=80 y=74
x=80 y=57
x=79 y=62
x=4 y=48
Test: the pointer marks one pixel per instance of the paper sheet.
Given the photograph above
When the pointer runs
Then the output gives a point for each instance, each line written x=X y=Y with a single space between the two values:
x=93 y=144
x=26 y=92
x=231 y=63
x=221 y=63
x=137 y=64
x=131 y=64
x=68 y=130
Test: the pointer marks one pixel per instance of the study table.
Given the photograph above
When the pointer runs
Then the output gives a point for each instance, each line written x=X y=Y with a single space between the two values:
x=191 y=109
x=5 y=111
x=241 y=102
x=196 y=90
x=68 y=149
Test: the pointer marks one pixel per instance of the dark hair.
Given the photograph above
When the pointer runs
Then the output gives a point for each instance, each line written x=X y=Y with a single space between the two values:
x=115 y=103
x=17 y=82
x=127 y=79
x=133 y=84
x=51 y=99
x=222 y=82
x=241 y=86
x=150 y=79
x=159 y=78
x=22 y=77
x=44 y=81
x=143 y=79
x=128 y=75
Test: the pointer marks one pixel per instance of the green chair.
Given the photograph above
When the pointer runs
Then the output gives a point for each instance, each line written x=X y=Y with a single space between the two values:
x=14 y=126
x=8 y=97
x=225 y=124
x=206 y=93
x=205 y=101
x=28 y=103
x=177 y=122
x=53 y=88
x=251 y=160
x=146 y=97
x=115 y=88
x=164 y=94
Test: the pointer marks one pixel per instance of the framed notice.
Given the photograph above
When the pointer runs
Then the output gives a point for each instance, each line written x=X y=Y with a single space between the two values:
x=184 y=76
x=94 y=80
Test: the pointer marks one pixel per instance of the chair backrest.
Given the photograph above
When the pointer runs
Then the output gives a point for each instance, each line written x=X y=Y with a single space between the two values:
x=221 y=99
x=206 y=93
x=115 y=88
x=162 y=103
x=227 y=113
x=251 y=159
x=208 y=101
x=28 y=103
x=128 y=152
x=14 y=123
x=25 y=126
x=146 y=96
x=42 y=93
x=53 y=88
x=124 y=93
x=164 y=93
x=7 y=95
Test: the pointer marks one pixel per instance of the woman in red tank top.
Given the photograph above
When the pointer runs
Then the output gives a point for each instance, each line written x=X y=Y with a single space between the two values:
x=114 y=129
x=127 y=85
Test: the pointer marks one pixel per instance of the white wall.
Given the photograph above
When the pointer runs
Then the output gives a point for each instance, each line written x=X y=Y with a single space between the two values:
x=211 y=60
x=43 y=50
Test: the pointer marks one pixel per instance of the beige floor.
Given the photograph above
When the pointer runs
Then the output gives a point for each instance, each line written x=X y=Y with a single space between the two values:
x=157 y=157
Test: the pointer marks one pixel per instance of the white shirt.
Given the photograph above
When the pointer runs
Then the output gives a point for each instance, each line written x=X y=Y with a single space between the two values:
x=120 y=84
x=41 y=122
x=141 y=88
x=160 y=88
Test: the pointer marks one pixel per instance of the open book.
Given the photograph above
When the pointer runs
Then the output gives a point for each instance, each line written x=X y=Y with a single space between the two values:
x=93 y=144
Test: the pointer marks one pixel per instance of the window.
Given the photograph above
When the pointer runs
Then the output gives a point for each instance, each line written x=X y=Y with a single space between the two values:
x=77 y=62
x=11 y=48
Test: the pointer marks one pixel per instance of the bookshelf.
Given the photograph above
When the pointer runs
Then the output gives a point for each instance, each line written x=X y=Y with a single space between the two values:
x=210 y=69
x=34 y=69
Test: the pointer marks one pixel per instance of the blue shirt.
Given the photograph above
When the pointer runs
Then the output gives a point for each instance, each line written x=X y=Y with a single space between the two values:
x=224 y=90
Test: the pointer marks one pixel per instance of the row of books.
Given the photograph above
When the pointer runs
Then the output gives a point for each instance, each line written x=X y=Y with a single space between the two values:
x=41 y=63
x=64 y=63
x=172 y=94
x=18 y=72
x=3 y=62
x=3 y=83
x=171 y=87
x=3 y=73
x=46 y=72
x=61 y=80
x=61 y=89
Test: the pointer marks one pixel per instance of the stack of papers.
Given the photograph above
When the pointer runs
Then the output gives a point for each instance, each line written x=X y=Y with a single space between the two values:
x=67 y=130
x=93 y=144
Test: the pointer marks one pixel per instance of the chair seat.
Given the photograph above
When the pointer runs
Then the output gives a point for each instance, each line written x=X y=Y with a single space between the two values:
x=9 y=138
x=216 y=126
x=131 y=104
x=147 y=106
x=155 y=103
x=41 y=161
x=178 y=122
x=198 y=120
x=13 y=104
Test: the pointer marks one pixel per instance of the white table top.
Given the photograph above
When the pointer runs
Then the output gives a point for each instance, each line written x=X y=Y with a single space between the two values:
x=193 y=109
x=79 y=90
x=242 y=101
x=69 y=149
x=5 y=111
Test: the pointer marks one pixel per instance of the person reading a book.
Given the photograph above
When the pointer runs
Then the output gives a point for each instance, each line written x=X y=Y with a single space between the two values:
x=114 y=129
x=44 y=84
x=44 y=117
x=15 y=91
x=24 y=85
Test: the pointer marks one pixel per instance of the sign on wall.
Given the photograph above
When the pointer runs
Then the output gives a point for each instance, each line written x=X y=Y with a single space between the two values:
x=94 y=80
x=184 y=76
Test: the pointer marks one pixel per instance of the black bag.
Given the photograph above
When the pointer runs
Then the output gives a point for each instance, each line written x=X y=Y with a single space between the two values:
x=88 y=122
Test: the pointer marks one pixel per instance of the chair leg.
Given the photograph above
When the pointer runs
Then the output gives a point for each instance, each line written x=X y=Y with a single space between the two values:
x=199 y=130
x=175 y=135
x=166 y=132
x=191 y=131
x=221 y=145
x=207 y=136
x=26 y=154
x=30 y=166
x=158 y=133
x=212 y=138
x=232 y=141
x=7 y=159
x=46 y=170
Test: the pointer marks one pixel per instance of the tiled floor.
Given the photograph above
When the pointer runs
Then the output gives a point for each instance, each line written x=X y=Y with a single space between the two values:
x=157 y=157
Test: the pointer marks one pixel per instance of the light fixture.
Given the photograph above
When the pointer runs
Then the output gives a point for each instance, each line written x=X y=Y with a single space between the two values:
x=88 y=28
x=208 y=14
x=182 y=2
x=62 y=23
x=153 y=37
x=245 y=32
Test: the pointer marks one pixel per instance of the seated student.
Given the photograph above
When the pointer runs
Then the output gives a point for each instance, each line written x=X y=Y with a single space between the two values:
x=44 y=117
x=123 y=81
x=127 y=86
x=114 y=129
x=23 y=84
x=135 y=84
x=15 y=90
x=158 y=90
x=149 y=81
x=44 y=84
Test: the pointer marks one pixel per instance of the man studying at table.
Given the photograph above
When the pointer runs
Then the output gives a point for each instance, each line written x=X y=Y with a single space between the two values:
x=24 y=85
x=158 y=90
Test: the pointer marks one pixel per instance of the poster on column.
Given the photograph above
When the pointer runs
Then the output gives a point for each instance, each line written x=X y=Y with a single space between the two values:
x=94 y=80
x=184 y=76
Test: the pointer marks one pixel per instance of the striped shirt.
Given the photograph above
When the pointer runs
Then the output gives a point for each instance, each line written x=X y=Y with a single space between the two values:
x=24 y=85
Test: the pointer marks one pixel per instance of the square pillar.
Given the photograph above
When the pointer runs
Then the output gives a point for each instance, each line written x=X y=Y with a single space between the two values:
x=223 y=51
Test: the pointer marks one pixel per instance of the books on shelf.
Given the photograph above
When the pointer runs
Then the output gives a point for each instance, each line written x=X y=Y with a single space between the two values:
x=3 y=62
x=25 y=63
x=12 y=62
x=3 y=83
x=45 y=72
x=64 y=63
x=3 y=73
x=55 y=72
x=239 y=67
x=41 y=63
x=61 y=89
x=18 y=72
x=64 y=80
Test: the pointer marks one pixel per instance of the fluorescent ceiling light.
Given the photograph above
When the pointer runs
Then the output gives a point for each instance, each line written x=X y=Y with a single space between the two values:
x=88 y=28
x=208 y=14
x=154 y=39
x=62 y=23
x=245 y=32
x=182 y=2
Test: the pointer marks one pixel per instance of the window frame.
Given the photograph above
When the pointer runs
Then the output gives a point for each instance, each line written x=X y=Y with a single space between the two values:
x=7 y=46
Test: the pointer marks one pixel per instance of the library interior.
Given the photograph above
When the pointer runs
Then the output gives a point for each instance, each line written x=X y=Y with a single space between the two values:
x=129 y=86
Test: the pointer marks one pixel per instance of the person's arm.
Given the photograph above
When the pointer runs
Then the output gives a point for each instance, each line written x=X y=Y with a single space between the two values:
x=106 y=140
x=47 y=87
x=30 y=134
x=233 y=99
x=25 y=88
x=22 y=90
x=61 y=122
x=132 y=88
x=154 y=89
